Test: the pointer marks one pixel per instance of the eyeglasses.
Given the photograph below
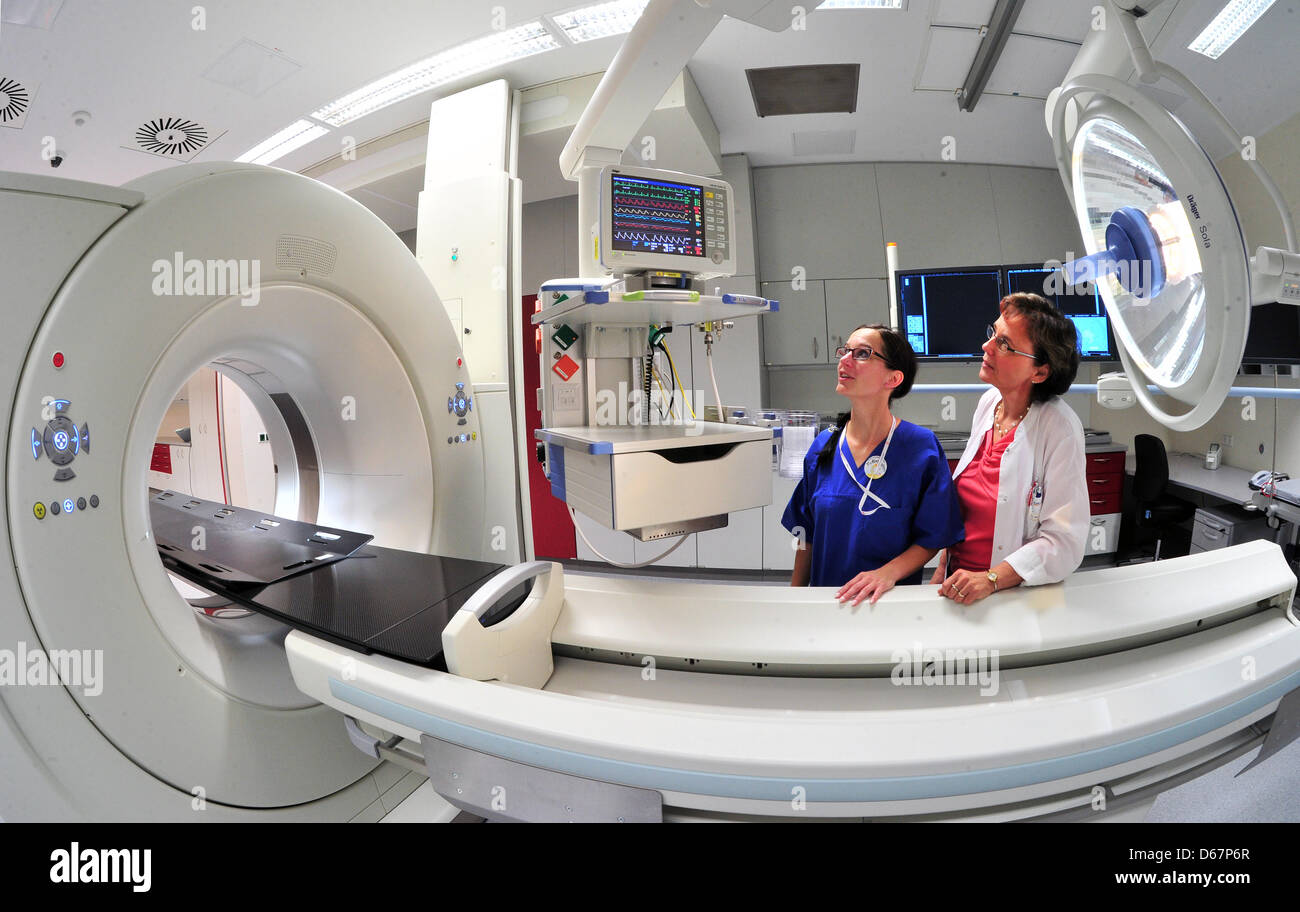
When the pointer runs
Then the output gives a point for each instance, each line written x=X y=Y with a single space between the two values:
x=1003 y=345
x=860 y=354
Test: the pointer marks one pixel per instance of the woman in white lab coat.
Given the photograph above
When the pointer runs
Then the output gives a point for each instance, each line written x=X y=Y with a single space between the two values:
x=1021 y=480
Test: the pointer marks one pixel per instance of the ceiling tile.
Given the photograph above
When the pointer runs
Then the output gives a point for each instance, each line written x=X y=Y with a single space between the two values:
x=1031 y=67
x=948 y=57
x=962 y=12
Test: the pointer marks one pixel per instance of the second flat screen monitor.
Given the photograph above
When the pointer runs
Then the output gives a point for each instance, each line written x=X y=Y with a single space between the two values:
x=1081 y=303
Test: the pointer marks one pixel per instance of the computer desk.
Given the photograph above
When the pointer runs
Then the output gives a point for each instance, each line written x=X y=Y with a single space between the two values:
x=1187 y=471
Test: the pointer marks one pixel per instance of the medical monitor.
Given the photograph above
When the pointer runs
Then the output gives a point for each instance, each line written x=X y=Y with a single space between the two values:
x=1081 y=303
x=944 y=312
x=665 y=220
x=1274 y=336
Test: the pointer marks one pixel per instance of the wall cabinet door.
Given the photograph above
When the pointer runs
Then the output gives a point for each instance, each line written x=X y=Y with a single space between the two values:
x=853 y=302
x=796 y=334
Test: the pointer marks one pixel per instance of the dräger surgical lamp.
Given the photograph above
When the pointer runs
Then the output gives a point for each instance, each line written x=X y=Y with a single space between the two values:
x=1163 y=239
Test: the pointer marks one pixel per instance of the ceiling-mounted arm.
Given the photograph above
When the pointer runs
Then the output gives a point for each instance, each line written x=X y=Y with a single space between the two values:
x=657 y=49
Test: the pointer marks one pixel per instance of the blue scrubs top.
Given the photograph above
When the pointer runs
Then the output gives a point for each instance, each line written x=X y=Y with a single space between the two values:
x=917 y=486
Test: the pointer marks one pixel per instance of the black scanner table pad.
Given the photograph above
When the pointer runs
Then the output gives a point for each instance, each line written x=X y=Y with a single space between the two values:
x=379 y=600
x=241 y=545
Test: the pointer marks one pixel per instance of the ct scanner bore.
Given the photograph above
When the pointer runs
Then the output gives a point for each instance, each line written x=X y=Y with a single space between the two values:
x=347 y=334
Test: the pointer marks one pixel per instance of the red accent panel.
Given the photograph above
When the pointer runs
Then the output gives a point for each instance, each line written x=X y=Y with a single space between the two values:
x=162 y=459
x=552 y=528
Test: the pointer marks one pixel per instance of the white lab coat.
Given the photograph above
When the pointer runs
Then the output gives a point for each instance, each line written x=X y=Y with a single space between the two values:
x=1047 y=545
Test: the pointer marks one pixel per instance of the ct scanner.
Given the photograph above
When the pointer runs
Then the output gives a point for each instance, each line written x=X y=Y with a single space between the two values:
x=191 y=702
x=598 y=698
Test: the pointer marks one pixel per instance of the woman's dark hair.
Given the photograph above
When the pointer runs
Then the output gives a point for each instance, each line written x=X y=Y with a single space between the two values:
x=898 y=355
x=1054 y=339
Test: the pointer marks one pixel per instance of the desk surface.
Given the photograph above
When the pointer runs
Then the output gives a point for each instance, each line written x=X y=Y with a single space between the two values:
x=1187 y=470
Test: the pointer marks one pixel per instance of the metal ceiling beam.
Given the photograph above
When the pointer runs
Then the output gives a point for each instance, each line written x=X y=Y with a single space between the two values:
x=996 y=34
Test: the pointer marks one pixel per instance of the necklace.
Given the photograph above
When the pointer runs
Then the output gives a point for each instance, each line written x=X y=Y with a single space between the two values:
x=997 y=421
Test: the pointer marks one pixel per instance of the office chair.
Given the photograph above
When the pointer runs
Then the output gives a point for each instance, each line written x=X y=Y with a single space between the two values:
x=1156 y=509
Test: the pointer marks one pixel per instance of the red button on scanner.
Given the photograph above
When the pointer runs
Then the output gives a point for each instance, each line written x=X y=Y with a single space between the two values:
x=58 y=360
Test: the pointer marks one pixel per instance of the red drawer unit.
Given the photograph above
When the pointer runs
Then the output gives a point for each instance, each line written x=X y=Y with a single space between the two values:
x=161 y=461
x=1105 y=476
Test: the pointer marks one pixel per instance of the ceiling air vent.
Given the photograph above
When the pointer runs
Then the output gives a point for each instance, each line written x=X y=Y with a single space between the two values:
x=175 y=138
x=15 y=99
x=819 y=89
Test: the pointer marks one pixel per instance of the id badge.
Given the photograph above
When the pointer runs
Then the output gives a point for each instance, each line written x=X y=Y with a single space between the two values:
x=1035 y=501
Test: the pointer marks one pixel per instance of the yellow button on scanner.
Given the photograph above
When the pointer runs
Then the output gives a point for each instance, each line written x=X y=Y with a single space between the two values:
x=473 y=436
x=39 y=510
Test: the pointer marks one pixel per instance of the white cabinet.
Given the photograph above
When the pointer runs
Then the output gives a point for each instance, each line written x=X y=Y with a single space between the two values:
x=796 y=334
x=778 y=550
x=1103 y=534
x=853 y=302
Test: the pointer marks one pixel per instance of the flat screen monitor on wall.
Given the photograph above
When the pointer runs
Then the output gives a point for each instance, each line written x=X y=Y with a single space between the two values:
x=1274 y=336
x=945 y=311
x=1081 y=303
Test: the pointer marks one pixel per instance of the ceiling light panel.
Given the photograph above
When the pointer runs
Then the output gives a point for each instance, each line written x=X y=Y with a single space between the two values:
x=31 y=13
x=863 y=4
x=294 y=136
x=454 y=63
x=1231 y=23
x=601 y=20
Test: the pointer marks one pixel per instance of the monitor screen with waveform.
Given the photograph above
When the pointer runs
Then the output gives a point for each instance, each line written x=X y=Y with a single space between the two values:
x=656 y=216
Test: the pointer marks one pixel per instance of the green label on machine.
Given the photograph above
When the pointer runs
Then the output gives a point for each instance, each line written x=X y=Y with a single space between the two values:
x=564 y=336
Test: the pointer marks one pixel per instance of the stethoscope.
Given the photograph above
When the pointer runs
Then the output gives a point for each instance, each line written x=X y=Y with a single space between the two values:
x=875 y=467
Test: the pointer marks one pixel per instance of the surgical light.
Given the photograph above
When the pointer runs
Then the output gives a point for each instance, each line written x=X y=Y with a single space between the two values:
x=294 y=136
x=1161 y=234
x=446 y=66
x=601 y=20
x=1231 y=23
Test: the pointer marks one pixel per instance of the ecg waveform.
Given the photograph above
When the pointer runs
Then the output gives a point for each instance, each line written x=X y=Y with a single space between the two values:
x=656 y=217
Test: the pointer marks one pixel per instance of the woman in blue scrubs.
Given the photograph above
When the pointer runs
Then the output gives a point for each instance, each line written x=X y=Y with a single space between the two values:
x=876 y=501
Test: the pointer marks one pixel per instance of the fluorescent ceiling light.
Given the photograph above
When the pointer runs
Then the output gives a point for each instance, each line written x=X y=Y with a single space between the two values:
x=33 y=13
x=453 y=63
x=291 y=137
x=862 y=4
x=600 y=20
x=1228 y=26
